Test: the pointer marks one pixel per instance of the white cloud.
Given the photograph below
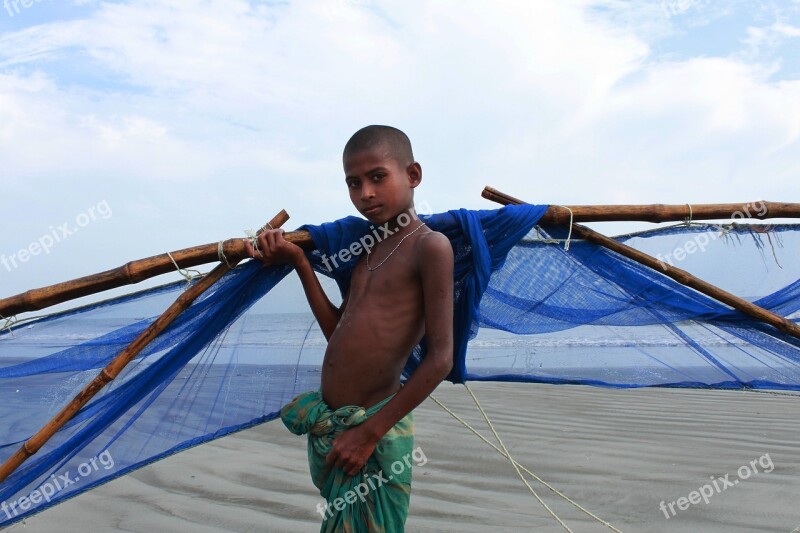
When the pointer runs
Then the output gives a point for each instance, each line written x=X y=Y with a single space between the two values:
x=207 y=117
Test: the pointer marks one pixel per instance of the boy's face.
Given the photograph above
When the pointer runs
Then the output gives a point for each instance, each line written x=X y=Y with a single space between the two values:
x=380 y=188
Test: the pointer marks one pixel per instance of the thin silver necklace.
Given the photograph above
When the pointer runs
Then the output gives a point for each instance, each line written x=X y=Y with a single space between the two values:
x=369 y=252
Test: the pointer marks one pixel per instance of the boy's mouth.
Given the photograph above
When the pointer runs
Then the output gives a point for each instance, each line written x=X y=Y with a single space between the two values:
x=371 y=210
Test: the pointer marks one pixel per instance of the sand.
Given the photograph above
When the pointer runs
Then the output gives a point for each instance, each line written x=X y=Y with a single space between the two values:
x=619 y=453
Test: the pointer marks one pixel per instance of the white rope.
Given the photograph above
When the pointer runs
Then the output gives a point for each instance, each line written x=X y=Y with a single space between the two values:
x=541 y=239
x=521 y=466
x=513 y=462
x=569 y=235
x=185 y=272
x=549 y=240
x=688 y=221
x=221 y=255
x=253 y=236
x=9 y=322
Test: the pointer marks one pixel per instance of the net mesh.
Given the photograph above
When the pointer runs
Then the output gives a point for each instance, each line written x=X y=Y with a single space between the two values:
x=530 y=310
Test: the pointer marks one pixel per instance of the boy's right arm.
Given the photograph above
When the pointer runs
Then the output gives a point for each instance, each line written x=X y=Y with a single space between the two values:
x=276 y=250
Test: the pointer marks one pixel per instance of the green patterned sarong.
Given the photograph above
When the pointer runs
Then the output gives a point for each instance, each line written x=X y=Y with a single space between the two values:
x=376 y=499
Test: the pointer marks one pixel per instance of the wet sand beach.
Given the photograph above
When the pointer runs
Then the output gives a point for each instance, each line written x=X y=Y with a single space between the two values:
x=619 y=453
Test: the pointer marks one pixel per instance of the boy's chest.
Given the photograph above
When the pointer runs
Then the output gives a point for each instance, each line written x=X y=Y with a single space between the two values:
x=394 y=278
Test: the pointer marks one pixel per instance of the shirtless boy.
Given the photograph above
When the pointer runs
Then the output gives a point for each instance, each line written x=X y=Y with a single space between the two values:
x=360 y=422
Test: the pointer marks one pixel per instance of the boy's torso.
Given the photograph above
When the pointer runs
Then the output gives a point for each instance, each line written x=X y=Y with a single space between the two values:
x=382 y=321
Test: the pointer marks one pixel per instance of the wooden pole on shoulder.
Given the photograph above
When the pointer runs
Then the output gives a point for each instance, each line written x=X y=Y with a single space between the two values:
x=112 y=370
x=679 y=275
x=133 y=272
x=760 y=209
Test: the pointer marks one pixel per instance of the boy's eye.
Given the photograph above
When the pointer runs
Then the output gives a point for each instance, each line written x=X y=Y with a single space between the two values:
x=352 y=184
x=377 y=177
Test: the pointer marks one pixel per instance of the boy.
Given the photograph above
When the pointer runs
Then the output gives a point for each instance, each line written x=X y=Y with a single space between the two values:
x=360 y=422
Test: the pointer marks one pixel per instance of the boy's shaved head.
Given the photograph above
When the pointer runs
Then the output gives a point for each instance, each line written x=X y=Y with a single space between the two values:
x=371 y=137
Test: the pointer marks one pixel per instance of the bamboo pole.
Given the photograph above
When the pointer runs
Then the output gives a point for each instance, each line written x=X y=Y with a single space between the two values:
x=761 y=209
x=136 y=271
x=132 y=272
x=679 y=275
x=112 y=370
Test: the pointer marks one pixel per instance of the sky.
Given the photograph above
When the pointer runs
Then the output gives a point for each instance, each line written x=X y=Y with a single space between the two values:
x=128 y=129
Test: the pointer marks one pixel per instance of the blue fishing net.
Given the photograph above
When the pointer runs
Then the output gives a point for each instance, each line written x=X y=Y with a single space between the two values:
x=526 y=310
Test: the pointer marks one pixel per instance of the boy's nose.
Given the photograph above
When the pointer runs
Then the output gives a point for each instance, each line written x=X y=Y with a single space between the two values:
x=367 y=192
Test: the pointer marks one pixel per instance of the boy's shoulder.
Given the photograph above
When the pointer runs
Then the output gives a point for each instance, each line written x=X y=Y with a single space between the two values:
x=433 y=247
x=433 y=238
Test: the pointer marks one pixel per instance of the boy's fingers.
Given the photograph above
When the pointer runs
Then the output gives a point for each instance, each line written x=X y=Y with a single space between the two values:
x=272 y=239
x=340 y=462
x=275 y=237
x=354 y=470
x=332 y=456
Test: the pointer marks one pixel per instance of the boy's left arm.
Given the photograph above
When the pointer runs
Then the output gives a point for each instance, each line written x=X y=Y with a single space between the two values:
x=353 y=447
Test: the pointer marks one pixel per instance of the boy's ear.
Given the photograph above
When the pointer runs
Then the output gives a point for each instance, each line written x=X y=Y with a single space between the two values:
x=414 y=172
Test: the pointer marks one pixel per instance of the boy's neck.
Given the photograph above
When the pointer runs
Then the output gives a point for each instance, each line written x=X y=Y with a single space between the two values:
x=403 y=223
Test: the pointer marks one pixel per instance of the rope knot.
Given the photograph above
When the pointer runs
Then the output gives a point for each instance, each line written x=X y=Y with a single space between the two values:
x=8 y=323
x=253 y=236
x=185 y=272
